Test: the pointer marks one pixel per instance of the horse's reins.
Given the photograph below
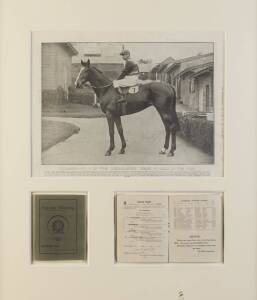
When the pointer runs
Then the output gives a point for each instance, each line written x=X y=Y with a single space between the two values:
x=99 y=87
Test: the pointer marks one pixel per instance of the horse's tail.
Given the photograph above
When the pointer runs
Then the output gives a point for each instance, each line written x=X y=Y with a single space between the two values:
x=173 y=101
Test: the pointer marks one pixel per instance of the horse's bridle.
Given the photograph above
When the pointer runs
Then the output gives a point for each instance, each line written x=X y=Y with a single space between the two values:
x=96 y=87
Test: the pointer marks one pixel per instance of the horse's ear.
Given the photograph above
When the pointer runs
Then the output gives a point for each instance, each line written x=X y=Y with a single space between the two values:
x=83 y=63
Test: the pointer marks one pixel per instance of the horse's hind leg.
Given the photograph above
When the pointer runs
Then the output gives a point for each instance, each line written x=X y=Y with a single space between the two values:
x=167 y=140
x=165 y=121
x=111 y=133
x=173 y=141
x=118 y=124
x=171 y=130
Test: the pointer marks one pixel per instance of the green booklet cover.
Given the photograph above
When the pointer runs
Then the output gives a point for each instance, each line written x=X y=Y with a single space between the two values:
x=59 y=227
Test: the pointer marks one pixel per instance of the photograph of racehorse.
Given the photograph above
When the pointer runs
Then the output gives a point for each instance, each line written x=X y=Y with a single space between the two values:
x=127 y=104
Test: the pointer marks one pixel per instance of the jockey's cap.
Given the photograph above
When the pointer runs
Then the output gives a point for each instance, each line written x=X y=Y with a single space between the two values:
x=125 y=52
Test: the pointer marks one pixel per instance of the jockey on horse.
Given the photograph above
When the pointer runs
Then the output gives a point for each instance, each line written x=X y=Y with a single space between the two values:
x=129 y=75
x=161 y=95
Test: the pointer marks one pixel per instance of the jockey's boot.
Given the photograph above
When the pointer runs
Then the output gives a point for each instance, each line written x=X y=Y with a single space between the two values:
x=122 y=96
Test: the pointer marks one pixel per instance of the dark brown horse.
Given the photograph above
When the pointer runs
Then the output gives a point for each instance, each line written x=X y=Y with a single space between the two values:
x=161 y=95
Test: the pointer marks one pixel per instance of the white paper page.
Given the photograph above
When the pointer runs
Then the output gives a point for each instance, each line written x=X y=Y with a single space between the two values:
x=196 y=227
x=142 y=228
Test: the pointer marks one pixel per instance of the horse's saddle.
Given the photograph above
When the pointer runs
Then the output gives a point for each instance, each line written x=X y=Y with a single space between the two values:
x=129 y=89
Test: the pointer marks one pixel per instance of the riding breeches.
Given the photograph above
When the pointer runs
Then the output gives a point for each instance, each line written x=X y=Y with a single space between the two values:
x=129 y=80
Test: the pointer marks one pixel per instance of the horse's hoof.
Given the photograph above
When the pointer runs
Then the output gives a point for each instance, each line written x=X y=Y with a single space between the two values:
x=170 y=154
x=162 y=152
x=122 y=151
x=108 y=153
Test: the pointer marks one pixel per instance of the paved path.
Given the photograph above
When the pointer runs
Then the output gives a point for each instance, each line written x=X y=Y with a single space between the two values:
x=144 y=134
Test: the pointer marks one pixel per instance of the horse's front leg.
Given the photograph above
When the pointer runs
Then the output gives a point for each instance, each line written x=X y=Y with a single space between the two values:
x=110 y=121
x=118 y=124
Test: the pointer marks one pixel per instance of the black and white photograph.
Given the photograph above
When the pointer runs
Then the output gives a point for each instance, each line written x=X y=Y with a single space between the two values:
x=132 y=108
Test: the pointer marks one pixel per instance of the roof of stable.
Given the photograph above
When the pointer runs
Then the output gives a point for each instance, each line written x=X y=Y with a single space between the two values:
x=170 y=63
x=71 y=49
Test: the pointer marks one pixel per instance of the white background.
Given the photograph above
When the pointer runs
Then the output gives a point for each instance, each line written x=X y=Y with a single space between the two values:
x=101 y=278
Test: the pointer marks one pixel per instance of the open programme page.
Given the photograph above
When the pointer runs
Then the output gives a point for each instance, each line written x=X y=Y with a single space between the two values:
x=196 y=227
x=142 y=228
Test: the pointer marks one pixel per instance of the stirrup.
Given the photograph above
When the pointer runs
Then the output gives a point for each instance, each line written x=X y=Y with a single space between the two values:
x=121 y=99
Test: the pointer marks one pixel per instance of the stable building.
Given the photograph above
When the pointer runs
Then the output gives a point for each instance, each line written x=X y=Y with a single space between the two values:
x=192 y=78
x=160 y=70
x=56 y=72
x=195 y=88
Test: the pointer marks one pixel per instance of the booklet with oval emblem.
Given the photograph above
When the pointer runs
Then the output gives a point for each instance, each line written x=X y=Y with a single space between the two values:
x=58 y=227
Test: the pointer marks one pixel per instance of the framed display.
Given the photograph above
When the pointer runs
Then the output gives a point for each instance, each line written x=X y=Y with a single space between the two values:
x=195 y=60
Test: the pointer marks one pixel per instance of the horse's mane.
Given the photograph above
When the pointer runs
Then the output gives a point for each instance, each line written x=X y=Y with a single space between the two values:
x=101 y=72
x=97 y=70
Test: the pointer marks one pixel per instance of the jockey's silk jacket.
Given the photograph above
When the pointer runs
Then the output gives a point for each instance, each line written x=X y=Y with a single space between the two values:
x=130 y=68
